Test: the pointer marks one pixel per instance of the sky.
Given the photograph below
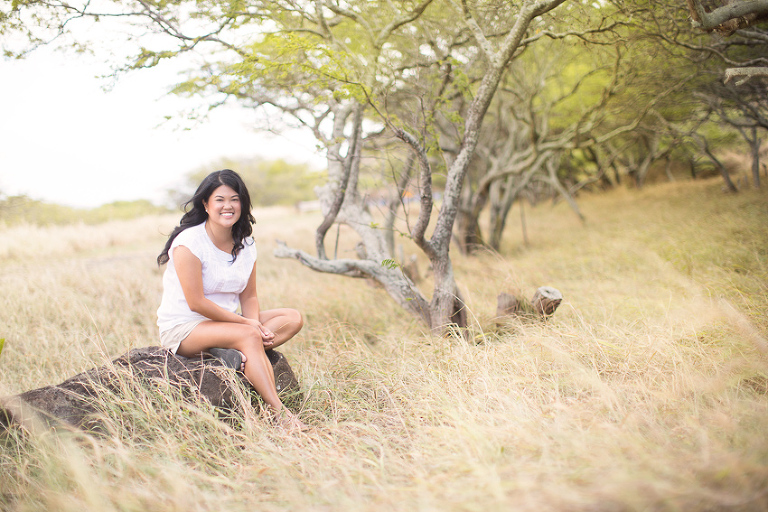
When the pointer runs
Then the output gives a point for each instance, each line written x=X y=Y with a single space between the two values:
x=65 y=140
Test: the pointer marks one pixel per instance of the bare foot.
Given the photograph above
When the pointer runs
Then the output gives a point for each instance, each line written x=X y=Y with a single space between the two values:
x=242 y=364
x=289 y=422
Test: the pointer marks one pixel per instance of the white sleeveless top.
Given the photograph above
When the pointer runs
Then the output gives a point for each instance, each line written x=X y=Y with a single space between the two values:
x=223 y=280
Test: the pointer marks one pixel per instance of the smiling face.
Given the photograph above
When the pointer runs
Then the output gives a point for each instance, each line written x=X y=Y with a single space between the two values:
x=223 y=207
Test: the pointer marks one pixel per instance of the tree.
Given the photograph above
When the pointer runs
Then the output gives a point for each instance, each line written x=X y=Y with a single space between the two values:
x=714 y=111
x=728 y=17
x=558 y=105
x=509 y=26
x=334 y=67
x=681 y=126
x=529 y=130
x=743 y=107
x=743 y=43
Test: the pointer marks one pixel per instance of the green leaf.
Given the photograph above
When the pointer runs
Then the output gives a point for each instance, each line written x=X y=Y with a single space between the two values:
x=390 y=264
x=2 y=344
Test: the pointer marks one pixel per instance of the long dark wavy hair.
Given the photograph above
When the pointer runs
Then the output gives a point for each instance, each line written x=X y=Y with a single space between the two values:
x=197 y=214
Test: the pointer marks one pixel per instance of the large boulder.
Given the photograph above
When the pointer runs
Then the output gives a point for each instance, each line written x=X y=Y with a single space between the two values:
x=76 y=401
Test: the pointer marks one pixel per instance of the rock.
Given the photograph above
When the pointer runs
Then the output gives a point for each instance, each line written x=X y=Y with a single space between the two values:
x=76 y=401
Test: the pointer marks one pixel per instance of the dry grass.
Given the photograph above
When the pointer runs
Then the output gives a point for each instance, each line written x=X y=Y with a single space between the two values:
x=648 y=390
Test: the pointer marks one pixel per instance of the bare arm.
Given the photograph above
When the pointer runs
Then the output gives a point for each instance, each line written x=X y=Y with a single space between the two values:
x=190 y=272
x=249 y=303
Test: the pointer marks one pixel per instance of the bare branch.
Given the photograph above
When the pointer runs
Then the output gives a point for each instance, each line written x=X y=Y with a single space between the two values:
x=394 y=281
x=341 y=191
x=746 y=73
x=555 y=181
x=477 y=33
x=743 y=13
x=326 y=31
x=348 y=13
x=345 y=267
x=581 y=34
x=402 y=20
x=425 y=192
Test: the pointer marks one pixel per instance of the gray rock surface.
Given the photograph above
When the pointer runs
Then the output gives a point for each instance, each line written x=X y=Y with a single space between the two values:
x=76 y=401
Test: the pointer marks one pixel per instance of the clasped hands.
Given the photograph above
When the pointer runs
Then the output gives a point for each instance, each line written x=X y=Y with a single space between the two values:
x=267 y=336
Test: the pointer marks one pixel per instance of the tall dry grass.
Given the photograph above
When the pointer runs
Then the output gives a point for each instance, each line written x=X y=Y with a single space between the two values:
x=648 y=390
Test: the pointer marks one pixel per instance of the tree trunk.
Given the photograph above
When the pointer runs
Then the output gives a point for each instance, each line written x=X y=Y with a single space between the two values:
x=500 y=212
x=755 y=158
x=546 y=300
x=515 y=184
x=523 y=226
x=396 y=201
x=668 y=169
x=692 y=167
x=543 y=305
x=644 y=166
x=337 y=191
x=555 y=181
x=468 y=235
x=447 y=309
x=723 y=171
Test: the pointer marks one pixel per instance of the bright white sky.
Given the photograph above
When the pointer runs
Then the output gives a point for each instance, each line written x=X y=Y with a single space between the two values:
x=63 y=139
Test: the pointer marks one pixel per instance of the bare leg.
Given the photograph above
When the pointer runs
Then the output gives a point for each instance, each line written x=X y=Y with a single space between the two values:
x=247 y=340
x=284 y=322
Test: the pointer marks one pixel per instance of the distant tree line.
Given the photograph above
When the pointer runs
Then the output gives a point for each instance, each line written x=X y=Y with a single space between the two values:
x=270 y=182
x=22 y=209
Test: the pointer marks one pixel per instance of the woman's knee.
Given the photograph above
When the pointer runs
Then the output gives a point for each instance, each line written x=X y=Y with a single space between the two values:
x=250 y=339
x=297 y=319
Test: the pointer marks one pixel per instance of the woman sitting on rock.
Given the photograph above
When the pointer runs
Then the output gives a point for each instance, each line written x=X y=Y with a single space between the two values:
x=211 y=272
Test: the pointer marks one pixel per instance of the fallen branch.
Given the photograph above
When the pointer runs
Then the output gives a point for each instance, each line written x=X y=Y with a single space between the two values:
x=543 y=305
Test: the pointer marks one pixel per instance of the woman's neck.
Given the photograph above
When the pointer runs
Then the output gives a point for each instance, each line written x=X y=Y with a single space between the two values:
x=221 y=237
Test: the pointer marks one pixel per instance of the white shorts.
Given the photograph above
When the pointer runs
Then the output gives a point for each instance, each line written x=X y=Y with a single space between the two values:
x=172 y=338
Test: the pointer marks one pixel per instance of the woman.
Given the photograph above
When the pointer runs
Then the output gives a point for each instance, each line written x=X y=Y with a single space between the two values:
x=211 y=271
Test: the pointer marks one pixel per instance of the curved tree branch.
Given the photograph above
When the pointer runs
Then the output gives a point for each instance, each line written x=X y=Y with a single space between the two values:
x=341 y=191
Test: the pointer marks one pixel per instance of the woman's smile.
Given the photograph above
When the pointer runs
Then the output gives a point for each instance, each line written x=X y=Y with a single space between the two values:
x=223 y=206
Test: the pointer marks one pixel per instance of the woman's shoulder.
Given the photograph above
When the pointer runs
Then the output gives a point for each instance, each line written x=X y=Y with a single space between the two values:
x=191 y=235
x=249 y=247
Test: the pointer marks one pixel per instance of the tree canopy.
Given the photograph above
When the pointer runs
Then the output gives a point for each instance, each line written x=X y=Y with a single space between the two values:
x=490 y=100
